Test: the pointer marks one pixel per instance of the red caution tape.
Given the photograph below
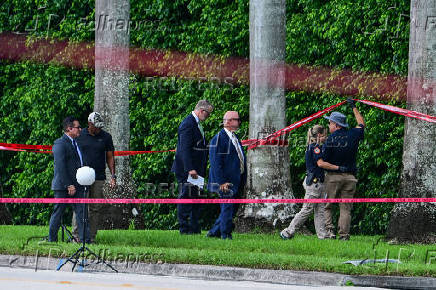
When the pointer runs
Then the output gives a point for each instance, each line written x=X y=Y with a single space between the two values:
x=177 y=201
x=250 y=142
x=125 y=153
x=293 y=126
x=26 y=147
x=47 y=149
x=272 y=139
x=400 y=111
x=10 y=149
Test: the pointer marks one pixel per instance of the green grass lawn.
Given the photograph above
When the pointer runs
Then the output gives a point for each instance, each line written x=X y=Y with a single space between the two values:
x=245 y=250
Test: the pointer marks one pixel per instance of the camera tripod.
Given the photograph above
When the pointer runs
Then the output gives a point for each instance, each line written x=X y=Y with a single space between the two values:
x=68 y=233
x=74 y=258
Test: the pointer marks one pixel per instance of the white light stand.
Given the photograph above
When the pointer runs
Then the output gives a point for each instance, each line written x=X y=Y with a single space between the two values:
x=85 y=176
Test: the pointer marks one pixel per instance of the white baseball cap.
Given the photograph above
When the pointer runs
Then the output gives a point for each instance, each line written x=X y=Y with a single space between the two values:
x=96 y=119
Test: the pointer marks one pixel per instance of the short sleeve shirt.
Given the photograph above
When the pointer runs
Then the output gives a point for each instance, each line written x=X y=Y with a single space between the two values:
x=313 y=154
x=341 y=147
x=94 y=149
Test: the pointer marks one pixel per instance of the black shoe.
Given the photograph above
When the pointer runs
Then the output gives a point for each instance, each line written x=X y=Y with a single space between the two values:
x=209 y=235
x=226 y=237
x=344 y=238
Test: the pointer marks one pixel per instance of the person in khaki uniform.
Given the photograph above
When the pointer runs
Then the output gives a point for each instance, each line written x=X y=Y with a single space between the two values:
x=314 y=186
x=98 y=148
x=340 y=149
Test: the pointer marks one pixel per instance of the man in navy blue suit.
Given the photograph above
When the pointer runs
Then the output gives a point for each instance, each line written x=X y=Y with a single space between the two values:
x=191 y=160
x=227 y=173
x=67 y=159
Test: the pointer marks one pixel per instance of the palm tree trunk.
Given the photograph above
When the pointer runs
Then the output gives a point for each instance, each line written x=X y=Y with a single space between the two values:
x=268 y=166
x=412 y=222
x=112 y=90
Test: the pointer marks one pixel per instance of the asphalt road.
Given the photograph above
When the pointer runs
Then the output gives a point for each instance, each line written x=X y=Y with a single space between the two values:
x=16 y=278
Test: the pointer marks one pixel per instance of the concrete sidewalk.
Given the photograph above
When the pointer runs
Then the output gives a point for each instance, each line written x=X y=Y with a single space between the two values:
x=227 y=273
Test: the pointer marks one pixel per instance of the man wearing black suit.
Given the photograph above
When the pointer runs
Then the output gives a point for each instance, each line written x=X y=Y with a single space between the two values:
x=67 y=159
x=191 y=160
x=227 y=173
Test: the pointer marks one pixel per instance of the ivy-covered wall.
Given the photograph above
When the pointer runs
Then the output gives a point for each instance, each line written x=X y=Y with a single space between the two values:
x=362 y=36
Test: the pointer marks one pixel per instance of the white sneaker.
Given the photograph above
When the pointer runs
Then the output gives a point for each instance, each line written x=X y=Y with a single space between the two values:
x=285 y=235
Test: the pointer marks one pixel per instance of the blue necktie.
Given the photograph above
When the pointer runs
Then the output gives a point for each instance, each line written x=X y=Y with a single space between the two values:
x=78 y=152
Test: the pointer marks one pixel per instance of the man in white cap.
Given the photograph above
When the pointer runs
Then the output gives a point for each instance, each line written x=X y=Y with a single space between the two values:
x=98 y=148
x=339 y=160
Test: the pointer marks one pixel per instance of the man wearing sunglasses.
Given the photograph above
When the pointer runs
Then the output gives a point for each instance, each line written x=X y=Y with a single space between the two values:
x=67 y=159
x=227 y=173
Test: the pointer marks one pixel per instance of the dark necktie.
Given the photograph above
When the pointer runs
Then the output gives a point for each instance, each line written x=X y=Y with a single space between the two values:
x=77 y=151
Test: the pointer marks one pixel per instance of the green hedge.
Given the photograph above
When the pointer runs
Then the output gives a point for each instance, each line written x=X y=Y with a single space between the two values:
x=35 y=98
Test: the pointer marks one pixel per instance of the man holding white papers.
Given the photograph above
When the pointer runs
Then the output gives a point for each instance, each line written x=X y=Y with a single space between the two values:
x=227 y=174
x=190 y=162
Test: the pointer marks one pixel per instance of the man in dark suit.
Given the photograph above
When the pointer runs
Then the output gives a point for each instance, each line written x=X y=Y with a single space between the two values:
x=227 y=173
x=67 y=159
x=191 y=160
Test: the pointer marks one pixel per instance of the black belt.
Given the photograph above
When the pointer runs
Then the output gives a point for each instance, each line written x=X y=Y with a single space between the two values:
x=337 y=172
x=310 y=179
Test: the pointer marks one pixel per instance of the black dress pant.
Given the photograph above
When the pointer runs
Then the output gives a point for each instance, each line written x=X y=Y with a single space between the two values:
x=58 y=212
x=188 y=214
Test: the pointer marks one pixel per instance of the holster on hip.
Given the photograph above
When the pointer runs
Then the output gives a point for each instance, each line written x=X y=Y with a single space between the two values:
x=309 y=178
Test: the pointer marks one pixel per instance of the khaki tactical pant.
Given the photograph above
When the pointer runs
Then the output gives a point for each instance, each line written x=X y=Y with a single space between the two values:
x=96 y=191
x=340 y=185
x=315 y=190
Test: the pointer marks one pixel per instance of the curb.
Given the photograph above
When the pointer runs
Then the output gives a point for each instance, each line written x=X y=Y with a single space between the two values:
x=393 y=282
x=207 y=272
